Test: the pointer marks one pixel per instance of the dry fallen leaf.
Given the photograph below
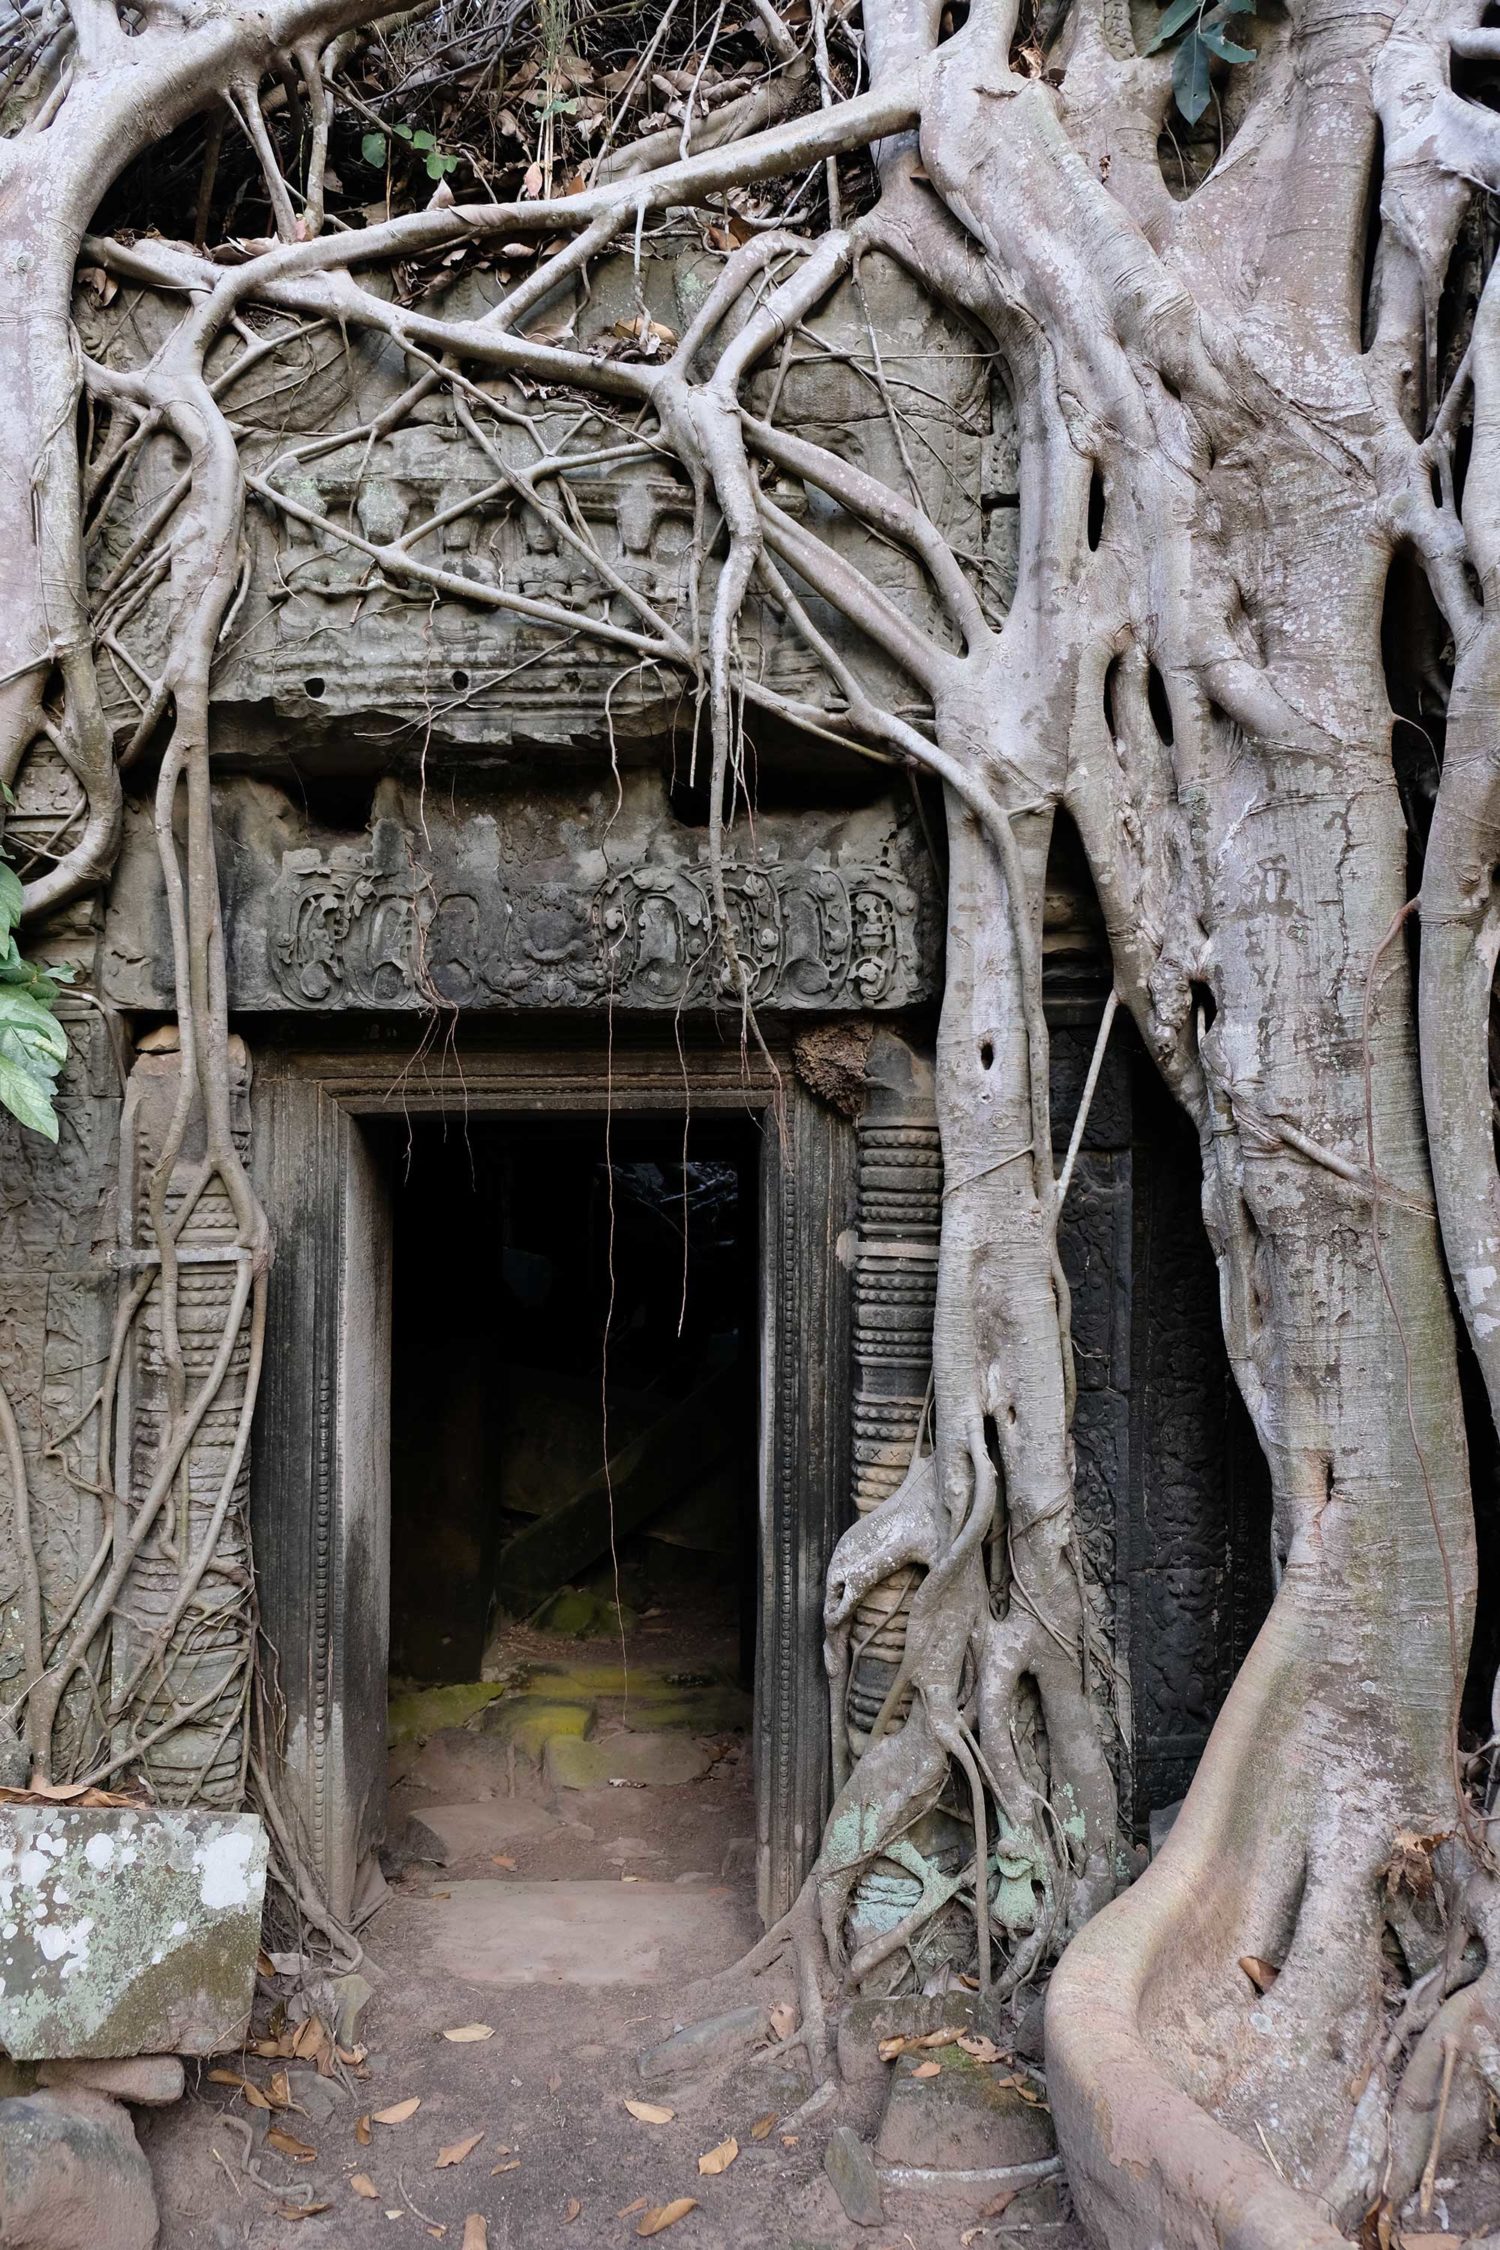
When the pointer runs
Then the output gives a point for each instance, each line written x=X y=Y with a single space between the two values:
x=279 y=2090
x=1427 y=2241
x=983 y=2050
x=298 y=2151
x=467 y=2033
x=1001 y=2204
x=928 y=2070
x=651 y=2113
x=362 y=2184
x=301 y=2210
x=251 y=2092
x=763 y=2126
x=554 y=2083
x=783 y=2019
x=909 y=2042
x=631 y=2209
x=362 y=2131
x=476 y=2233
x=502 y=1859
x=667 y=2215
x=1262 y=1974
x=513 y=2166
x=571 y=2210
x=719 y=2159
x=456 y=2151
x=790 y=2140
x=399 y=2112
x=311 y=2043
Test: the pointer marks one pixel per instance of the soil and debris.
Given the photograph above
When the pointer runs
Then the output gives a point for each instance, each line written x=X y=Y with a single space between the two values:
x=551 y=1922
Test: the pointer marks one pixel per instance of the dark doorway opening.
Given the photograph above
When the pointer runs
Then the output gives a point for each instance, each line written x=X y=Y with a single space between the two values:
x=574 y=1389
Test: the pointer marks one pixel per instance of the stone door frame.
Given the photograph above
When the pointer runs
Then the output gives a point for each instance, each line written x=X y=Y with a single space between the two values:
x=320 y=1501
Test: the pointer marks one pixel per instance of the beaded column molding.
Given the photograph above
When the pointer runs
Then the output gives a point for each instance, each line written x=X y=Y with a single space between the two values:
x=183 y=1621
x=899 y=1211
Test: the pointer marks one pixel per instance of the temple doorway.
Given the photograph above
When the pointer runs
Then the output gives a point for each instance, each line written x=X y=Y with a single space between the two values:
x=527 y=1296
x=573 y=1431
x=573 y=1527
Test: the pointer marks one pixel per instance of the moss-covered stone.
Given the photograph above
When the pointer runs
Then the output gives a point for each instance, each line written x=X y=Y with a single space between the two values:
x=583 y=1615
x=968 y=2115
x=127 y=1931
x=529 y=1722
x=418 y=1712
x=652 y=1761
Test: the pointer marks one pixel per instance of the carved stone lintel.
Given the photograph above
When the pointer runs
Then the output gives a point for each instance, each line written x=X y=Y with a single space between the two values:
x=373 y=928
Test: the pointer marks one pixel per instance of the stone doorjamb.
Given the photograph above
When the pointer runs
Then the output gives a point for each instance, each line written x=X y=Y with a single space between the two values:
x=320 y=1491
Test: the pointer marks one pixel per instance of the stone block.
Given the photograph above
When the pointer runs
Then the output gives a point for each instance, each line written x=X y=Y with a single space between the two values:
x=529 y=1722
x=149 y=2081
x=851 y=2168
x=72 y=2176
x=703 y=2046
x=863 y=2023
x=127 y=1931
x=967 y=2116
x=425 y=1711
x=648 y=1760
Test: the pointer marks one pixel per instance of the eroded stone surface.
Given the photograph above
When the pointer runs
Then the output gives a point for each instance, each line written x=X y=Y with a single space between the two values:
x=530 y=1722
x=493 y=1825
x=72 y=2176
x=702 y=2046
x=507 y=1933
x=649 y=1760
x=967 y=2115
x=126 y=1932
x=851 y=2168
x=149 y=2081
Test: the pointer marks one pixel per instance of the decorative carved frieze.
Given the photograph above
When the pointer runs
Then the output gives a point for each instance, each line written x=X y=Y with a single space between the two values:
x=366 y=928
x=555 y=899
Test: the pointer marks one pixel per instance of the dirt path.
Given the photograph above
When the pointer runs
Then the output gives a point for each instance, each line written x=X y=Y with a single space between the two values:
x=577 y=1923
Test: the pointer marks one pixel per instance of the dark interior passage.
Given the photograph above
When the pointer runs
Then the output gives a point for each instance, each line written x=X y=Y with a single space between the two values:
x=574 y=1385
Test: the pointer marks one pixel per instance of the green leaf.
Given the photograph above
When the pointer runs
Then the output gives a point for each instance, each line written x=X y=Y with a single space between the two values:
x=422 y=140
x=1190 y=77
x=404 y=133
x=1219 y=43
x=29 y=1031
x=10 y=899
x=1179 y=13
x=373 y=148
x=28 y=1098
x=438 y=164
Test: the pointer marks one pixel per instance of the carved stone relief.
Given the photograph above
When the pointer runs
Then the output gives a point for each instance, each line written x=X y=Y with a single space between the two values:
x=556 y=901
x=325 y=634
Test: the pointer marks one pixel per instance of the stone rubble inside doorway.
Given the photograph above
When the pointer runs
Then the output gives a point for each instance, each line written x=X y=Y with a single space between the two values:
x=570 y=1873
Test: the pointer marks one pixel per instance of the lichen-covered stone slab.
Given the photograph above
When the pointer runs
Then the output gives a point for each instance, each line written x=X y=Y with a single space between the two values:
x=125 y=1931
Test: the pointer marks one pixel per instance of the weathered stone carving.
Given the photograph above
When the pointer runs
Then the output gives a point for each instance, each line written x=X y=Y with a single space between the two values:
x=547 y=898
x=326 y=635
x=367 y=928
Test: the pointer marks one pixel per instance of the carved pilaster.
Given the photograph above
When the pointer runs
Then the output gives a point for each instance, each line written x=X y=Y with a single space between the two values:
x=899 y=1213
x=189 y=1643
